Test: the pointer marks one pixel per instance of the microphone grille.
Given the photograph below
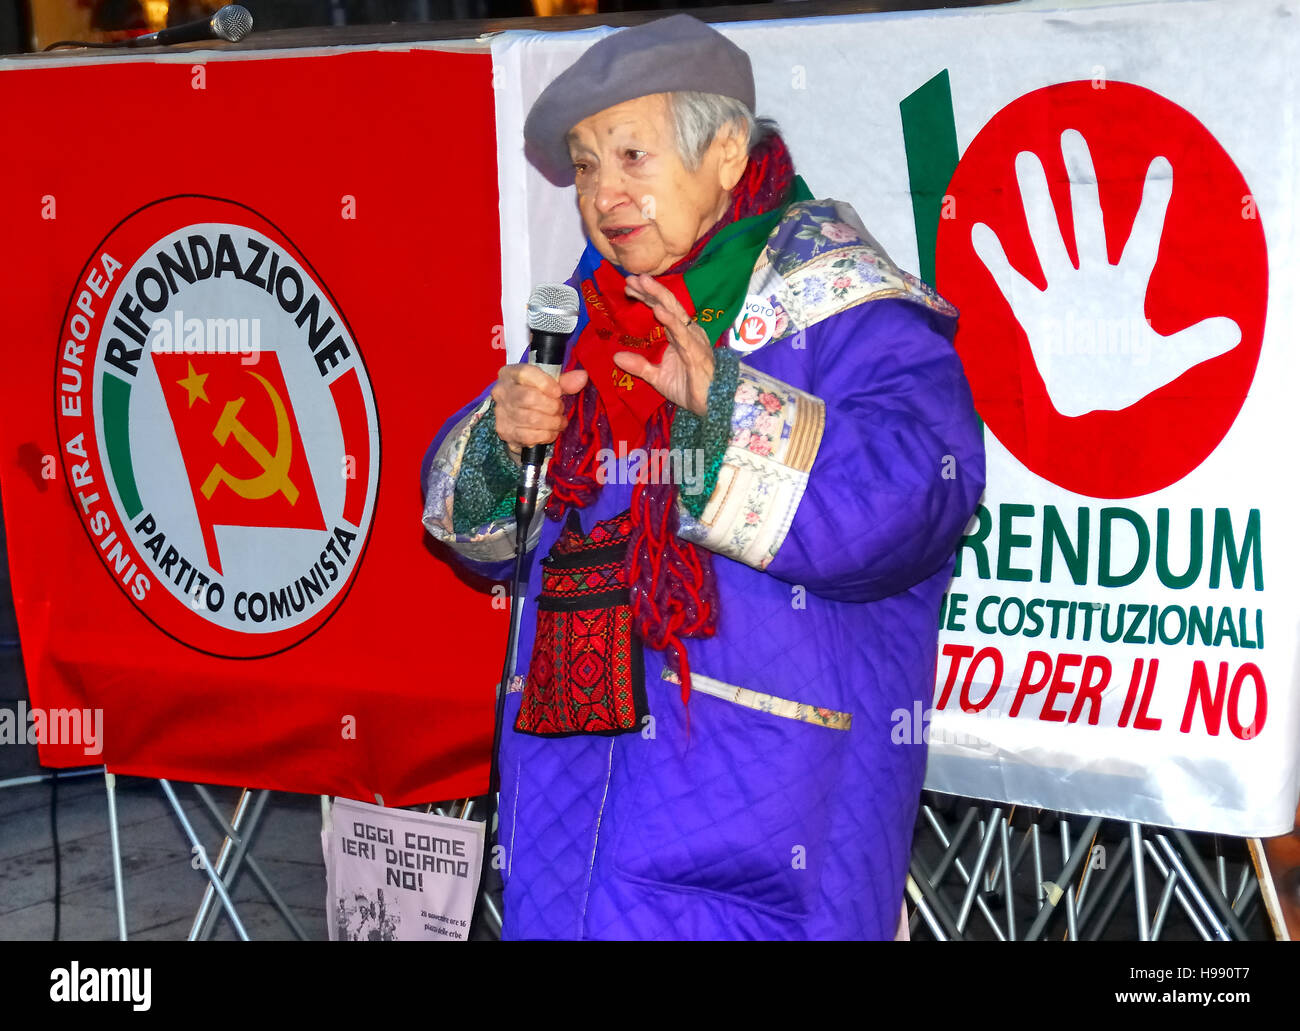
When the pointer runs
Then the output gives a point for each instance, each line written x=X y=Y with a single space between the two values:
x=553 y=308
x=232 y=23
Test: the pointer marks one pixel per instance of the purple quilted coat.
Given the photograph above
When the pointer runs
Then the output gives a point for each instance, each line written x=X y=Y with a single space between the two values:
x=789 y=813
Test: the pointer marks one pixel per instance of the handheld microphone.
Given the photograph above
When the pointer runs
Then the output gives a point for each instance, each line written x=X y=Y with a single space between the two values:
x=552 y=316
x=232 y=23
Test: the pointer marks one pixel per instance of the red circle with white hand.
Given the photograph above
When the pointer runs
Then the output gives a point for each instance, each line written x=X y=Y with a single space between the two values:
x=1111 y=271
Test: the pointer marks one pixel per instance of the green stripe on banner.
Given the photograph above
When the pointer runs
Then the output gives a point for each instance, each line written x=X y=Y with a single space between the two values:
x=930 y=139
x=117 y=441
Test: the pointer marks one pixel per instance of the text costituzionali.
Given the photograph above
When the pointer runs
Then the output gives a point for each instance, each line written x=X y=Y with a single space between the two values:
x=1123 y=622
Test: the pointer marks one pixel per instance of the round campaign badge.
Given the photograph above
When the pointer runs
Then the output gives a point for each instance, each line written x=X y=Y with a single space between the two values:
x=754 y=325
x=217 y=427
x=1109 y=262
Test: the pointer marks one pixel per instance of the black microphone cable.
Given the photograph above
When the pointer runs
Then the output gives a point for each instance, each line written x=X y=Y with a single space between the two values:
x=54 y=840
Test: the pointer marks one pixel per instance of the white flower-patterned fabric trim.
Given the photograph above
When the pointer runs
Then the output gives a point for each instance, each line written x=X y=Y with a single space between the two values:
x=493 y=541
x=776 y=430
x=843 y=266
x=769 y=703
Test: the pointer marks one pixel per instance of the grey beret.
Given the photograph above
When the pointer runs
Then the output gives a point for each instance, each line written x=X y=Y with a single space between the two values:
x=663 y=56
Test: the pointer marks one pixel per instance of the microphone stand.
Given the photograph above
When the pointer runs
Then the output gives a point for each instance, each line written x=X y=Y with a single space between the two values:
x=552 y=317
x=525 y=507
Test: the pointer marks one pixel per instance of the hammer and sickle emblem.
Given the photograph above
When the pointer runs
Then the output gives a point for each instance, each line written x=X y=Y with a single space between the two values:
x=275 y=467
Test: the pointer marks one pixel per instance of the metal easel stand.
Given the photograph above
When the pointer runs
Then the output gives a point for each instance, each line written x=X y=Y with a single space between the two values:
x=968 y=857
x=233 y=854
x=196 y=847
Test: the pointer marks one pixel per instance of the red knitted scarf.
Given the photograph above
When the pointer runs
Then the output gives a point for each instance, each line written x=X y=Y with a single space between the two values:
x=672 y=588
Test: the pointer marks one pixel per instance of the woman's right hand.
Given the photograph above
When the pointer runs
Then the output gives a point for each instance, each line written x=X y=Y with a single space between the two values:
x=529 y=404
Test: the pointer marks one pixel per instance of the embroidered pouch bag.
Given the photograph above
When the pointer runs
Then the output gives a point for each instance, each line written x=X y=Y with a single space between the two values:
x=586 y=675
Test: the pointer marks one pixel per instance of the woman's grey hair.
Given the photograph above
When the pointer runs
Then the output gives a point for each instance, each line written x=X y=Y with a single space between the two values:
x=697 y=117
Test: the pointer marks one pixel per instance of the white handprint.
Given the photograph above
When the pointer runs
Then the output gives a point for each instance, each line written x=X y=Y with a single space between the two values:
x=1090 y=339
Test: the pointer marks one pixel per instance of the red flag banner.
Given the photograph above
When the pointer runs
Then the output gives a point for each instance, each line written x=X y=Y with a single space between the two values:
x=224 y=387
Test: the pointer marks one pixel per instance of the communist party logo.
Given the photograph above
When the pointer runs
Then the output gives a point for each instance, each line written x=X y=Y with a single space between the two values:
x=217 y=427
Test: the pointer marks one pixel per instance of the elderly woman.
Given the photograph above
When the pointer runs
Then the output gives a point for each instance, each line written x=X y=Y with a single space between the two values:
x=766 y=454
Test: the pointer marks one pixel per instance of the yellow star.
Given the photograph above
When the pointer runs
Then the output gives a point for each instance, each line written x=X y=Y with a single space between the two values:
x=193 y=383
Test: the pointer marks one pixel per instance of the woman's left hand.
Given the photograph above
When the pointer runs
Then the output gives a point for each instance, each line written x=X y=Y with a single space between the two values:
x=685 y=371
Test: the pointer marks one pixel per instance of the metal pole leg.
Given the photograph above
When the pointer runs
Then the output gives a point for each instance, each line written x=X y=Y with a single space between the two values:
x=1071 y=917
x=197 y=847
x=1190 y=910
x=1071 y=865
x=1162 y=907
x=1006 y=860
x=1106 y=910
x=200 y=918
x=115 y=843
x=1194 y=889
x=923 y=908
x=241 y=837
x=1139 y=882
x=937 y=904
x=951 y=854
x=1117 y=864
x=977 y=871
x=952 y=846
x=1039 y=891
x=1217 y=899
x=243 y=855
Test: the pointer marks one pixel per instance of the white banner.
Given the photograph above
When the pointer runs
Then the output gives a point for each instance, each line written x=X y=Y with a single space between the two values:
x=397 y=875
x=1107 y=194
